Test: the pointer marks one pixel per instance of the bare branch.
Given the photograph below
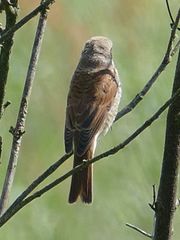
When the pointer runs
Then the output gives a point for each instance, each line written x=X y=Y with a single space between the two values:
x=20 y=124
x=0 y=148
x=139 y=230
x=19 y=203
x=5 y=105
x=170 y=14
x=174 y=50
x=169 y=11
x=40 y=179
x=153 y=204
x=166 y=60
x=44 y=5
x=11 y=15
x=167 y=192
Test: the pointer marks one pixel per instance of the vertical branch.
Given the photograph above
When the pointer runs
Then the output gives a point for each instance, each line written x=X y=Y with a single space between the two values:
x=11 y=15
x=20 y=124
x=0 y=148
x=167 y=193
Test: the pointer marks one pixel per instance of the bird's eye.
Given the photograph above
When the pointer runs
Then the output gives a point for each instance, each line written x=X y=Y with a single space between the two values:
x=84 y=51
x=101 y=47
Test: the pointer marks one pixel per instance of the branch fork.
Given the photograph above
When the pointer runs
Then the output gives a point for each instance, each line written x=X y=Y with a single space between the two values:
x=17 y=133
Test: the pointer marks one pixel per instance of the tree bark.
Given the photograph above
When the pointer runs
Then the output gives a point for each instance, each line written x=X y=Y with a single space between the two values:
x=167 y=193
x=11 y=15
x=18 y=131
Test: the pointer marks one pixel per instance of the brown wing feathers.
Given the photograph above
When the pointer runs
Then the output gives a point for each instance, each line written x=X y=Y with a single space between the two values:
x=87 y=108
x=88 y=104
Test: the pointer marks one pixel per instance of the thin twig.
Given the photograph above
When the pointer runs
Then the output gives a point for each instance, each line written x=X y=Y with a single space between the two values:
x=0 y=148
x=170 y=14
x=39 y=180
x=4 y=106
x=153 y=204
x=20 y=124
x=139 y=230
x=4 y=34
x=11 y=16
x=19 y=203
x=166 y=60
x=169 y=11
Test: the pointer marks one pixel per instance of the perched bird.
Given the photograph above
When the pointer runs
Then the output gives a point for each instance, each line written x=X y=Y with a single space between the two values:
x=92 y=105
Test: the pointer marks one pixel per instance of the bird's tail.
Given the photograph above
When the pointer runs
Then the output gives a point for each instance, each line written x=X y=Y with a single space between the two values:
x=81 y=183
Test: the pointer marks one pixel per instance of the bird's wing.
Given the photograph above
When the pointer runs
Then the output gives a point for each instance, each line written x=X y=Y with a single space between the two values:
x=89 y=101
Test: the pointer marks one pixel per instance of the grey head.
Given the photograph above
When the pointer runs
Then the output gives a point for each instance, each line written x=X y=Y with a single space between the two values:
x=96 y=55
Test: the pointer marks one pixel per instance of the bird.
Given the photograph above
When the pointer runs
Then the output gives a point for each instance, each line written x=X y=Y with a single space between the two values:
x=92 y=105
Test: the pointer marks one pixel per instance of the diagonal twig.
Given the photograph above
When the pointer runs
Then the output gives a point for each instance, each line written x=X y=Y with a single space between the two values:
x=19 y=203
x=139 y=230
x=166 y=60
x=20 y=124
x=169 y=11
x=45 y=4
x=170 y=14
x=40 y=179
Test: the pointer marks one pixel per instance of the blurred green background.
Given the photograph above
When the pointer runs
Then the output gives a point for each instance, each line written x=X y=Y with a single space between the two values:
x=123 y=183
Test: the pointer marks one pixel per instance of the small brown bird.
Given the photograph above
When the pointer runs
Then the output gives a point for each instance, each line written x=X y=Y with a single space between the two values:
x=92 y=106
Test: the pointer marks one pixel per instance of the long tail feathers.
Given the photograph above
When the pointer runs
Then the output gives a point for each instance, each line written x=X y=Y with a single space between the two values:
x=81 y=183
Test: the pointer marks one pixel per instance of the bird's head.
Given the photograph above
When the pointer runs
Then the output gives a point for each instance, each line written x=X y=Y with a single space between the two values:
x=96 y=55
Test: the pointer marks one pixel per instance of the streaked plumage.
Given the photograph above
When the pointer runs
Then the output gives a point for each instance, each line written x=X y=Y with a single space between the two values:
x=92 y=105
